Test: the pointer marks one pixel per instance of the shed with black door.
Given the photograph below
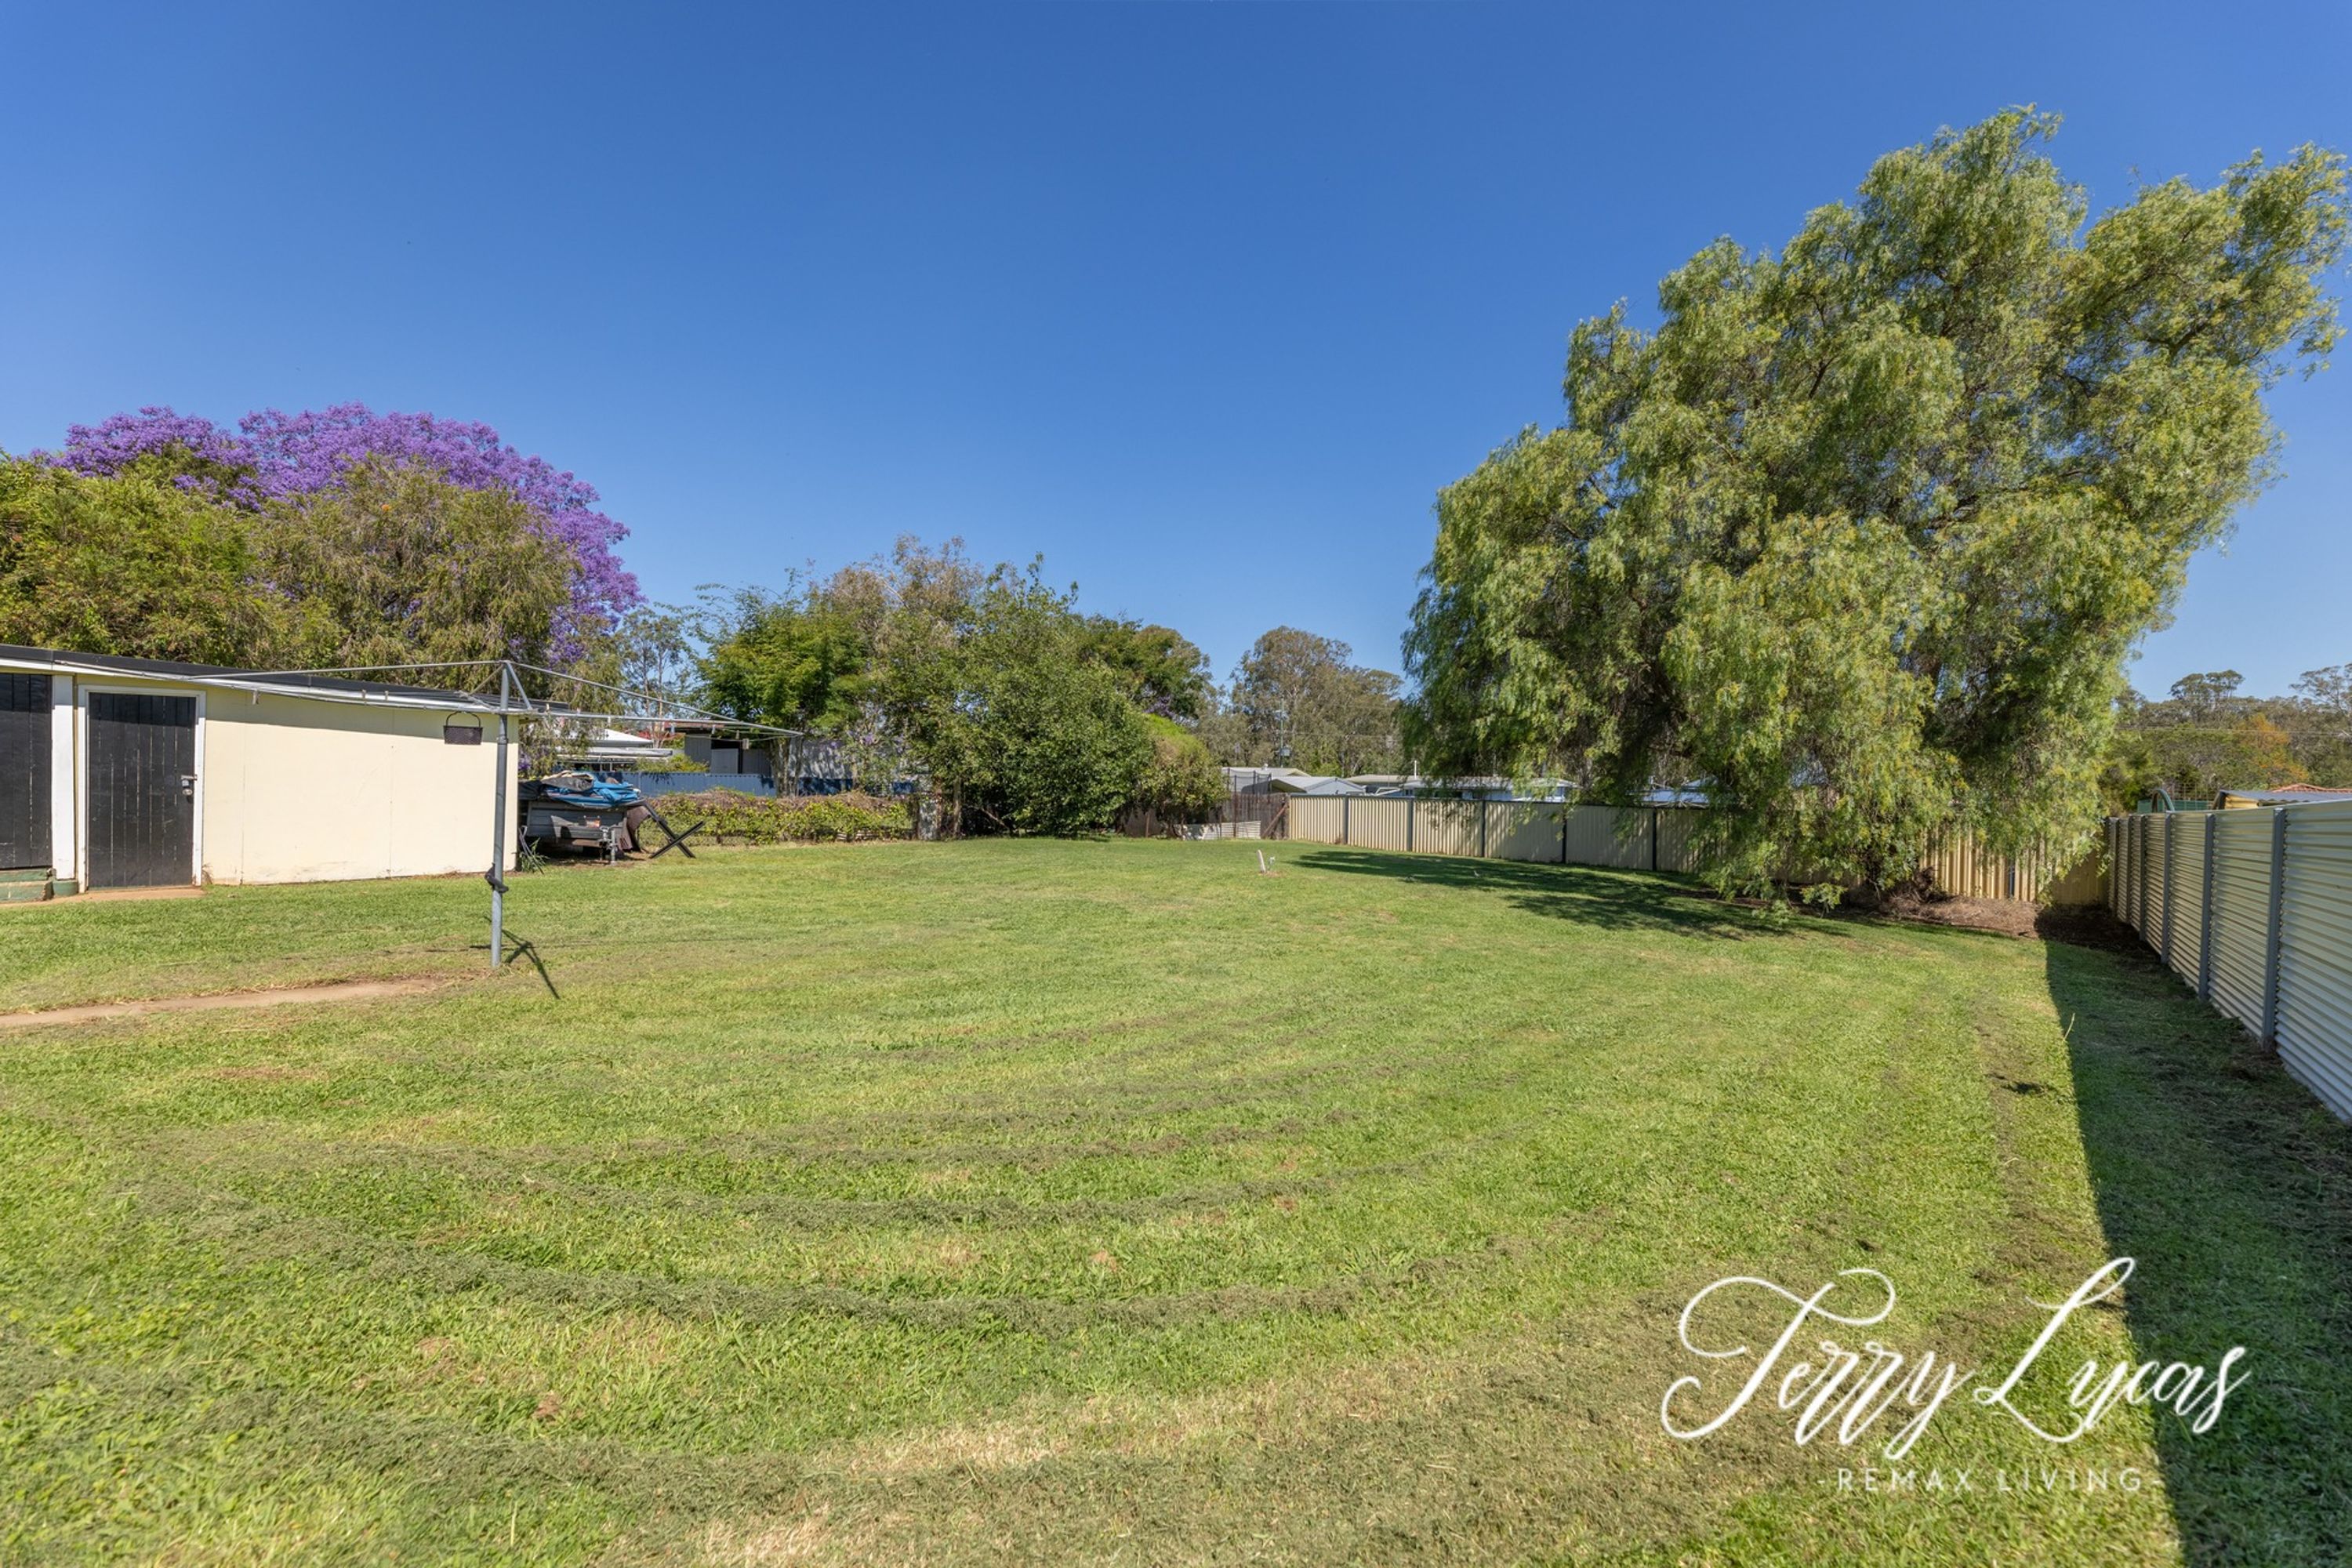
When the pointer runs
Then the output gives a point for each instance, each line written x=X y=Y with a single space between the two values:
x=140 y=772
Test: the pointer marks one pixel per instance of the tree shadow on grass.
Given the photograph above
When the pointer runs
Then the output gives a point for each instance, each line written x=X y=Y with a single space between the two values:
x=2232 y=1186
x=1587 y=895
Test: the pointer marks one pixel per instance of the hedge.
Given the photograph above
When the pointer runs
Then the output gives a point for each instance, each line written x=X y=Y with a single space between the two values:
x=733 y=817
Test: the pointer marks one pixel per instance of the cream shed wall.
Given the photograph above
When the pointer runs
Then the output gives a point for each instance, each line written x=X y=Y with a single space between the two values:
x=297 y=789
x=300 y=790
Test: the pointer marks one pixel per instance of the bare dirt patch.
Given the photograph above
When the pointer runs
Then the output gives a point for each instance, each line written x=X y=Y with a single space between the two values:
x=2079 y=925
x=288 y=996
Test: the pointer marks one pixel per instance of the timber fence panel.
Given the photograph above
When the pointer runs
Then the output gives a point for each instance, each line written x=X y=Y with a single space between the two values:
x=2241 y=902
x=2314 y=1022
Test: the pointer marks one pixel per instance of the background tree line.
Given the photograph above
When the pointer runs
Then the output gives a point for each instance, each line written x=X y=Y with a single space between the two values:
x=1026 y=712
x=349 y=540
x=2206 y=736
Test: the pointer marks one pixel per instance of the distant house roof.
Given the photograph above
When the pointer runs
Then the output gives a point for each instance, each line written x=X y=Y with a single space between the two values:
x=2285 y=794
x=619 y=745
x=1286 y=781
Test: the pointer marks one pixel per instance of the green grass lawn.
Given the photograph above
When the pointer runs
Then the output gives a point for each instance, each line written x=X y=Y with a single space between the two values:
x=1017 y=1202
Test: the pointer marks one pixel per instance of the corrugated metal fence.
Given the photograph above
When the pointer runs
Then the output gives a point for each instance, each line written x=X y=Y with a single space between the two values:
x=1640 y=837
x=1648 y=838
x=2253 y=909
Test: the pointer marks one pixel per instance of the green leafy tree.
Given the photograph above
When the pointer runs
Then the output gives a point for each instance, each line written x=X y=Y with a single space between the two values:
x=2205 y=696
x=2324 y=745
x=1862 y=530
x=798 y=659
x=129 y=565
x=1160 y=670
x=1298 y=701
x=1020 y=731
x=2129 y=774
x=2329 y=688
x=2208 y=734
x=397 y=565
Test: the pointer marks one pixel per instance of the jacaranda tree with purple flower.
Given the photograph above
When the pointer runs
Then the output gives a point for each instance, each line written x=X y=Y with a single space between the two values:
x=277 y=457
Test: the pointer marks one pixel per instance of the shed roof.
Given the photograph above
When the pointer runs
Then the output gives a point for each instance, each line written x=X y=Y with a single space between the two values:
x=611 y=702
x=292 y=683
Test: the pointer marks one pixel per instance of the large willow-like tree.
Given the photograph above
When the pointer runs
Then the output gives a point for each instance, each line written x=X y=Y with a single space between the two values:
x=1862 y=533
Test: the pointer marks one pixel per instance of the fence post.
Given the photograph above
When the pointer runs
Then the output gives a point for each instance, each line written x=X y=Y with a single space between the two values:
x=1411 y=810
x=1563 y=832
x=1653 y=838
x=1343 y=819
x=2271 y=940
x=1482 y=827
x=2171 y=881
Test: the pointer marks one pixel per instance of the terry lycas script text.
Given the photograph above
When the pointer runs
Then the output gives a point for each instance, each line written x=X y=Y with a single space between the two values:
x=1850 y=1390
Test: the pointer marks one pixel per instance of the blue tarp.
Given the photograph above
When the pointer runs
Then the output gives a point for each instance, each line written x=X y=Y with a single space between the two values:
x=602 y=794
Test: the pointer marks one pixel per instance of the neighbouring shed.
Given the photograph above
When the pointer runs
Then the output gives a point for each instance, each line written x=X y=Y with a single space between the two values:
x=139 y=772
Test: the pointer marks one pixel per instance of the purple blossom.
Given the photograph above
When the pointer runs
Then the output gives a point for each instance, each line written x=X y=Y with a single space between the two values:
x=116 y=443
x=275 y=456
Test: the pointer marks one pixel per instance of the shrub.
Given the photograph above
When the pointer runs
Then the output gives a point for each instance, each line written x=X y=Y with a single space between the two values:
x=1180 y=783
x=733 y=817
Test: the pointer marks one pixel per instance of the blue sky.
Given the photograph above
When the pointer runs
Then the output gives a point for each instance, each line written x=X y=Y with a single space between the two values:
x=1203 y=302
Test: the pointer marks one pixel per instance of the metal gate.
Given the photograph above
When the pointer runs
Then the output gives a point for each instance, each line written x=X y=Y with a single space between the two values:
x=143 y=790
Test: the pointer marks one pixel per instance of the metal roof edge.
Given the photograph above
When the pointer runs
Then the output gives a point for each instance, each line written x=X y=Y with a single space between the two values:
x=320 y=687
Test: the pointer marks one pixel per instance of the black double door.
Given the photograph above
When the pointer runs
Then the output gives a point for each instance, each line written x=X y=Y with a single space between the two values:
x=143 y=790
x=24 y=772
